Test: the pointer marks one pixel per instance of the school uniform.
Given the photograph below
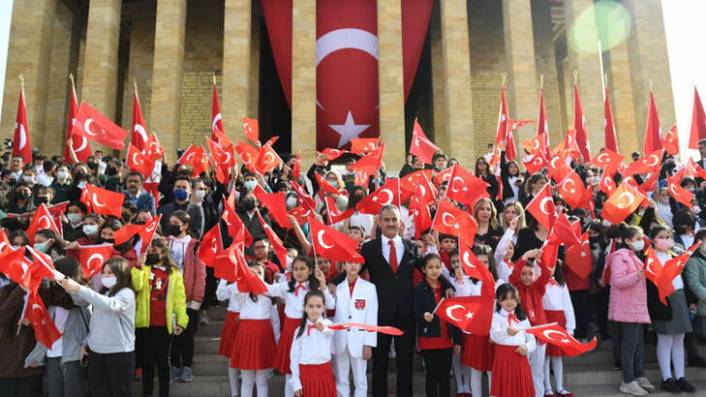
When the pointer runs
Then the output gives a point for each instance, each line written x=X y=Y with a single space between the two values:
x=310 y=361
x=355 y=302
x=477 y=352
x=512 y=376
x=230 y=325
x=558 y=309
x=254 y=344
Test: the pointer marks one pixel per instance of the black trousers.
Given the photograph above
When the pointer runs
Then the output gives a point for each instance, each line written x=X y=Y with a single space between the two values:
x=404 y=349
x=110 y=375
x=438 y=367
x=28 y=386
x=601 y=300
x=210 y=291
x=155 y=343
x=183 y=345
x=583 y=308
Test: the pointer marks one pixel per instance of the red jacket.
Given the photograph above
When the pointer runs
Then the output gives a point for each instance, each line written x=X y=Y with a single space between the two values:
x=194 y=273
x=531 y=295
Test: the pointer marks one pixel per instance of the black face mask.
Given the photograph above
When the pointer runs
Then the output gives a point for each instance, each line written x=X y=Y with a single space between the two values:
x=41 y=200
x=173 y=230
x=152 y=259
x=594 y=240
x=249 y=205
x=107 y=240
x=24 y=195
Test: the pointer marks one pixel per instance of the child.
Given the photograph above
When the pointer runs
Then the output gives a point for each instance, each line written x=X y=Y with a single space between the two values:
x=506 y=250
x=356 y=301
x=253 y=349
x=437 y=339
x=310 y=356
x=230 y=330
x=512 y=376
x=161 y=312
x=462 y=284
x=305 y=278
x=447 y=244
x=558 y=308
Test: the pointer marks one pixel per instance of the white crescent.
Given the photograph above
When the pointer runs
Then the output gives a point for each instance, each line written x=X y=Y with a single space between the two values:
x=348 y=38
x=37 y=308
x=570 y=186
x=537 y=161
x=447 y=224
x=673 y=189
x=453 y=184
x=189 y=156
x=23 y=136
x=450 y=310
x=96 y=256
x=467 y=260
x=648 y=266
x=389 y=195
x=653 y=162
x=549 y=332
x=44 y=222
x=553 y=161
x=87 y=127
x=320 y=238
x=601 y=158
x=625 y=199
x=97 y=203
x=535 y=145
x=140 y=129
x=151 y=226
x=543 y=205
x=82 y=146
x=215 y=121
x=369 y=147
x=247 y=158
x=269 y=158
x=136 y=160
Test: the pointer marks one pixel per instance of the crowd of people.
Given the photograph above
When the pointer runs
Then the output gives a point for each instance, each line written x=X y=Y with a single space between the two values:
x=140 y=313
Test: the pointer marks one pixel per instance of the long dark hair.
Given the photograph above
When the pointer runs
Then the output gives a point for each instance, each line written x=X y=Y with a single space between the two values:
x=559 y=273
x=313 y=281
x=486 y=250
x=309 y=295
x=508 y=290
x=120 y=268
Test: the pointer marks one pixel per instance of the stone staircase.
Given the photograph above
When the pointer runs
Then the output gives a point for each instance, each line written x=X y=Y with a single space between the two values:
x=589 y=375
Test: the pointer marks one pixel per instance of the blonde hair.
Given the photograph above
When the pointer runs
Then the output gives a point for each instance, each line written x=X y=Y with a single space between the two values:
x=521 y=221
x=493 y=222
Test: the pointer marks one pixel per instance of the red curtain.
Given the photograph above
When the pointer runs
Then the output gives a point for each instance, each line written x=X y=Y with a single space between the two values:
x=278 y=18
x=415 y=23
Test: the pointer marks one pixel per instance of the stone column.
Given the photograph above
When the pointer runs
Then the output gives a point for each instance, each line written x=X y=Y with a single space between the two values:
x=100 y=64
x=622 y=99
x=589 y=71
x=649 y=63
x=236 y=66
x=459 y=138
x=304 y=79
x=391 y=83
x=29 y=54
x=140 y=64
x=437 y=74
x=168 y=73
x=520 y=58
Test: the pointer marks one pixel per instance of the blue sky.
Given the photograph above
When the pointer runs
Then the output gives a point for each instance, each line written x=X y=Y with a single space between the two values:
x=684 y=27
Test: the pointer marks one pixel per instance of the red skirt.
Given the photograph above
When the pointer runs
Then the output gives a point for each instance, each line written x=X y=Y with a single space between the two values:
x=558 y=317
x=512 y=376
x=254 y=345
x=285 y=345
x=230 y=328
x=317 y=380
x=478 y=352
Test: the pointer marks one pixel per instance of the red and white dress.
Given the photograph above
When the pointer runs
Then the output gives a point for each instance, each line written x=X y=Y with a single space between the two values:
x=558 y=308
x=512 y=375
x=254 y=345
x=477 y=351
x=310 y=361
x=227 y=291
x=293 y=313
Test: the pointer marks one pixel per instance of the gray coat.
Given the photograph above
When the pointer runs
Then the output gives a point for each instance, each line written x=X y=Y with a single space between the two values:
x=695 y=277
x=74 y=335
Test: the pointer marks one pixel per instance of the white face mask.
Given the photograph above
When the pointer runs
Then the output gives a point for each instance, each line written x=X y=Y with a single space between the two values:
x=250 y=185
x=90 y=230
x=638 y=245
x=74 y=218
x=62 y=175
x=109 y=281
x=200 y=194
x=291 y=202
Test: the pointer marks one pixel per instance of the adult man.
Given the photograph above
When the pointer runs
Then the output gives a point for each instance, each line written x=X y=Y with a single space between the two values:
x=137 y=195
x=390 y=261
x=182 y=190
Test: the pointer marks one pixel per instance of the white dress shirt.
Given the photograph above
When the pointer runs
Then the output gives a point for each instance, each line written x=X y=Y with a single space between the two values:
x=228 y=291
x=313 y=347
x=499 y=335
x=399 y=248
x=294 y=301
x=557 y=298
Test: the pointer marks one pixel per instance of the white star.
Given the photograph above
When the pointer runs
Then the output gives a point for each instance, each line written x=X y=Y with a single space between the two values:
x=349 y=130
x=469 y=315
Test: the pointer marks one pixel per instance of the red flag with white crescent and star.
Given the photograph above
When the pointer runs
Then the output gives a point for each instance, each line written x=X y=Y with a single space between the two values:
x=92 y=258
x=698 y=122
x=421 y=146
x=472 y=314
x=21 y=143
x=331 y=244
x=611 y=140
x=542 y=207
x=580 y=127
x=102 y=201
x=216 y=118
x=557 y=335
x=543 y=128
x=138 y=132
x=45 y=331
x=42 y=219
x=79 y=145
x=96 y=127
x=211 y=245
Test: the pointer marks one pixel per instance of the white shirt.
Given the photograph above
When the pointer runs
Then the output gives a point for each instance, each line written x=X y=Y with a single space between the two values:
x=313 y=347
x=399 y=248
x=294 y=301
x=229 y=292
x=259 y=309
x=688 y=240
x=60 y=315
x=177 y=247
x=499 y=335
x=557 y=298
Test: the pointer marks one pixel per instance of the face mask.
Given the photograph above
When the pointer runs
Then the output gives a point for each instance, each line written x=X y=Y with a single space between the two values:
x=151 y=259
x=28 y=179
x=62 y=175
x=249 y=204
x=42 y=200
x=41 y=247
x=664 y=200
x=594 y=240
x=109 y=281
x=638 y=245
x=250 y=185
x=696 y=210
x=89 y=230
x=108 y=241
x=663 y=244
x=74 y=218
x=291 y=202
x=173 y=230
x=23 y=194
x=200 y=194
x=181 y=194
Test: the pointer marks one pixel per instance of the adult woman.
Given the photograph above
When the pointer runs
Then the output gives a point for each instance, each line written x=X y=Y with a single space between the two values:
x=483 y=171
x=512 y=180
x=488 y=232
x=111 y=335
x=529 y=238
x=533 y=185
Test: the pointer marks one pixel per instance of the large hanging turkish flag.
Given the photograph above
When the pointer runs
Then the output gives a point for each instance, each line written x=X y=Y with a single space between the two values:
x=346 y=61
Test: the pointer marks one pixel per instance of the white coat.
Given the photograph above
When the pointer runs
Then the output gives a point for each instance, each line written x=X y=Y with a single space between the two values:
x=362 y=307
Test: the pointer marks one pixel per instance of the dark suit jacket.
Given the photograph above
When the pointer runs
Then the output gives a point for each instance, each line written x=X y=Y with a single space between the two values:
x=395 y=290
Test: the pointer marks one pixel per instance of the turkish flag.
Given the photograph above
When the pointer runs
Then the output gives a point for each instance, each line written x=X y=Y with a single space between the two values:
x=75 y=143
x=146 y=233
x=557 y=335
x=535 y=164
x=211 y=245
x=503 y=135
x=550 y=253
x=41 y=268
x=653 y=130
x=621 y=203
x=325 y=187
x=333 y=154
x=45 y=331
x=565 y=232
x=216 y=117
x=42 y=219
x=333 y=214
x=154 y=150
x=420 y=212
x=607 y=160
x=235 y=226
x=248 y=281
x=251 y=129
x=698 y=122
x=578 y=258
x=248 y=154
x=671 y=141
x=671 y=269
x=465 y=187
x=4 y=242
x=137 y=161
x=452 y=220
x=388 y=194
x=277 y=246
x=301 y=213
x=267 y=160
x=611 y=140
x=225 y=266
x=196 y=157
x=21 y=143
x=580 y=127
x=223 y=156
x=381 y=329
x=96 y=127
x=138 y=136
x=542 y=208
x=421 y=146
x=573 y=191
x=680 y=194
x=409 y=182
x=443 y=176
x=370 y=163
x=92 y=258
x=653 y=269
x=303 y=195
x=331 y=244
x=275 y=203
x=15 y=265
x=472 y=314
x=557 y=167
x=364 y=145
x=543 y=128
x=102 y=201
x=474 y=268
x=649 y=163
x=607 y=183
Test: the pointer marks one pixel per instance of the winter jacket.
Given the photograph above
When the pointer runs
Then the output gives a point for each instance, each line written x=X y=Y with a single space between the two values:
x=194 y=272
x=176 y=298
x=628 y=293
x=695 y=279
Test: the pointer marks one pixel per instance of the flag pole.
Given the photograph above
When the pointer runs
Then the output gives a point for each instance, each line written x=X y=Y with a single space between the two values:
x=600 y=63
x=437 y=306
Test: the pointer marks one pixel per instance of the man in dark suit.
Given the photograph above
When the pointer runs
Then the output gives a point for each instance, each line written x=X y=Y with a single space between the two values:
x=390 y=261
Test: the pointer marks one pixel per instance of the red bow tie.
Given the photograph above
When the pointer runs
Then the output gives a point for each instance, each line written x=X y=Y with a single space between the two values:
x=309 y=328
x=510 y=318
x=298 y=287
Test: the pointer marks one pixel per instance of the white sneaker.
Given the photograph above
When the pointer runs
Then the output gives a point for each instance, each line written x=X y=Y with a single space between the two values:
x=645 y=384
x=633 y=389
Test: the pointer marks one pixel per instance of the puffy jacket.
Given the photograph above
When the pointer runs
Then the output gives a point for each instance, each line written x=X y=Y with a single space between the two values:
x=194 y=272
x=628 y=293
x=176 y=298
x=695 y=279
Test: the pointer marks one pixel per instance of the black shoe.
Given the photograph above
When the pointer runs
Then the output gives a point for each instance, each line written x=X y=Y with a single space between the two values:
x=670 y=385
x=685 y=386
x=697 y=362
x=617 y=365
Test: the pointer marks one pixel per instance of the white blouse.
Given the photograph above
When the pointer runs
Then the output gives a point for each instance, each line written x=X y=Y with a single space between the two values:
x=228 y=291
x=557 y=298
x=294 y=301
x=313 y=347
x=499 y=335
